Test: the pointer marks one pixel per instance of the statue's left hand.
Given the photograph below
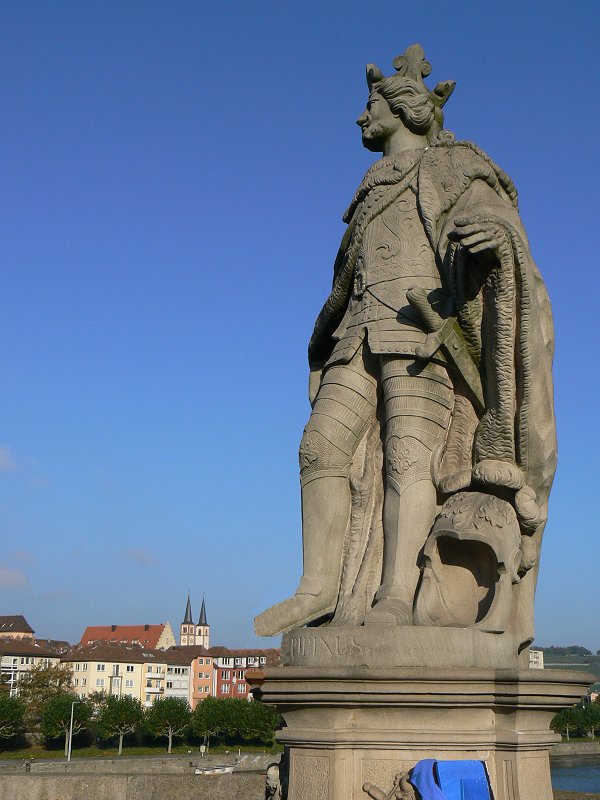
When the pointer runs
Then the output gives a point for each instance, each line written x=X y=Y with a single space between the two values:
x=486 y=240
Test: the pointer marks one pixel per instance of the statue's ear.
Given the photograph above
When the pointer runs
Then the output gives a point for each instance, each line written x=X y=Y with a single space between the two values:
x=374 y=76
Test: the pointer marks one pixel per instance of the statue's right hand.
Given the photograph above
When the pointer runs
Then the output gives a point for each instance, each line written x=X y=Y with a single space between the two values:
x=314 y=381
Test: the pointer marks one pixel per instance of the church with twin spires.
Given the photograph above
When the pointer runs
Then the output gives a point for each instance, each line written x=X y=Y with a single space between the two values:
x=191 y=634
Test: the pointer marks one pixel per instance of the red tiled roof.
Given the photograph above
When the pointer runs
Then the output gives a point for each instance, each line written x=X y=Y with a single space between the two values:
x=146 y=635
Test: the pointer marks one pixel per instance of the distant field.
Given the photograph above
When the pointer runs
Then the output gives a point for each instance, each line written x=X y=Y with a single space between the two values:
x=583 y=663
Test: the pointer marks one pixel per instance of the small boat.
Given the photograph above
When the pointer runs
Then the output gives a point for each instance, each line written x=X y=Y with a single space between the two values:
x=219 y=769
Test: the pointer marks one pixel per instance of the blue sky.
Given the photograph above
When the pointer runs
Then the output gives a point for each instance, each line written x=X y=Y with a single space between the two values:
x=173 y=179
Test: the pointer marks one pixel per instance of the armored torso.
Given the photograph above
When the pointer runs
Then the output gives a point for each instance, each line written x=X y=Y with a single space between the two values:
x=394 y=256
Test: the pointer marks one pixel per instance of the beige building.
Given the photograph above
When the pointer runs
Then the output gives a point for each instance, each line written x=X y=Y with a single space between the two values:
x=129 y=669
x=18 y=656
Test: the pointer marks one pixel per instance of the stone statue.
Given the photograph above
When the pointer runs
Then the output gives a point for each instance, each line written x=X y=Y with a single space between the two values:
x=429 y=454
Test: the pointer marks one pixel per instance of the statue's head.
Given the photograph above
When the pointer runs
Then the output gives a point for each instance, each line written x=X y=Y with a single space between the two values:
x=403 y=99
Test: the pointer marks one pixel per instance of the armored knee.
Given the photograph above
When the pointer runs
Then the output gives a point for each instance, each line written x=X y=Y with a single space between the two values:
x=407 y=460
x=321 y=455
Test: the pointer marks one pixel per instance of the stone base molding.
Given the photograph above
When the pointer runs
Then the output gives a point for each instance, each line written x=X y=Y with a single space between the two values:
x=356 y=727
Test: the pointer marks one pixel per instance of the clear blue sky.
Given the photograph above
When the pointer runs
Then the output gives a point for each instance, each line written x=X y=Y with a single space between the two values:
x=173 y=176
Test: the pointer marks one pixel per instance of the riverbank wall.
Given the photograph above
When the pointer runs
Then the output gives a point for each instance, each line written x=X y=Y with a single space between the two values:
x=575 y=749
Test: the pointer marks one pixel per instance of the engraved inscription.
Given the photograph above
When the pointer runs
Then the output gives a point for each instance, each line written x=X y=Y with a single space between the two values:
x=341 y=645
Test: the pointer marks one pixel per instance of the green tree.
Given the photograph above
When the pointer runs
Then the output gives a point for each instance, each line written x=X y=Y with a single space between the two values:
x=97 y=701
x=212 y=717
x=56 y=716
x=118 y=716
x=260 y=723
x=569 y=720
x=12 y=715
x=591 y=718
x=168 y=716
x=39 y=685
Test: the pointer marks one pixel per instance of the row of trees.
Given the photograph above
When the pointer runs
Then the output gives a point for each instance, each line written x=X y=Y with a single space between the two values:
x=571 y=650
x=45 y=703
x=578 y=721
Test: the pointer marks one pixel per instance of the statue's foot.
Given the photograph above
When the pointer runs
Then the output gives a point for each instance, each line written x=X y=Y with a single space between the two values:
x=390 y=611
x=294 y=612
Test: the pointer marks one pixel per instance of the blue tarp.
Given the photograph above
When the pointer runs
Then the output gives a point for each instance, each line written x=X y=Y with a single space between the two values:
x=450 y=780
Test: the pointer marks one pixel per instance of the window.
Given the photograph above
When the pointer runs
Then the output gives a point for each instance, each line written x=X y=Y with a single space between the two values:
x=129 y=668
x=208 y=660
x=128 y=683
x=226 y=674
x=84 y=681
x=238 y=662
x=225 y=688
x=206 y=689
x=75 y=681
x=77 y=667
x=148 y=698
x=201 y=661
x=242 y=688
x=240 y=673
x=84 y=667
x=263 y=660
x=149 y=684
x=169 y=684
x=100 y=667
x=99 y=681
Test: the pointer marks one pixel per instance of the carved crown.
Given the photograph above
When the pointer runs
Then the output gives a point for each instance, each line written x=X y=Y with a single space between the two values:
x=412 y=64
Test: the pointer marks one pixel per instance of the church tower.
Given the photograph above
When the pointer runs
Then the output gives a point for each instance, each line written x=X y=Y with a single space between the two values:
x=203 y=628
x=187 y=627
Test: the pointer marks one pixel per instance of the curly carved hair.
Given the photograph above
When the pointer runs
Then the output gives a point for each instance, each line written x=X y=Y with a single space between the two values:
x=415 y=107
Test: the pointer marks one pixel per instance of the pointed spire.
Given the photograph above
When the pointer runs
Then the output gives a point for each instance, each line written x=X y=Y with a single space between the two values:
x=202 y=620
x=187 y=620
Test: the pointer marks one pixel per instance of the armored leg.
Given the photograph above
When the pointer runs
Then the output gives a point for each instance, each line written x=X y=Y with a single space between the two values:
x=344 y=406
x=418 y=399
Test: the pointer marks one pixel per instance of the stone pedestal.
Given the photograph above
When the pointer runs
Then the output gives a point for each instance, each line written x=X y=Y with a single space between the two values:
x=356 y=723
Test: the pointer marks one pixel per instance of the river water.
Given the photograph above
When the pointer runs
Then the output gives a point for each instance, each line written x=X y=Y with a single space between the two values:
x=576 y=773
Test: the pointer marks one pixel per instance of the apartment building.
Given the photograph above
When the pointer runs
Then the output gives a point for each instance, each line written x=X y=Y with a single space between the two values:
x=202 y=668
x=230 y=666
x=120 y=669
x=178 y=678
x=18 y=656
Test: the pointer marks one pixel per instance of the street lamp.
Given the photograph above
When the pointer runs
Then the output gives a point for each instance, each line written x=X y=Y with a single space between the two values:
x=73 y=704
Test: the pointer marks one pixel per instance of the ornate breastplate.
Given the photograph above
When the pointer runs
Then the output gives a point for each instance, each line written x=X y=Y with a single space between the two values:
x=395 y=256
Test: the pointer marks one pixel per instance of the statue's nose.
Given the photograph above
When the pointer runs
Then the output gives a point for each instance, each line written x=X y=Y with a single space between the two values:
x=362 y=119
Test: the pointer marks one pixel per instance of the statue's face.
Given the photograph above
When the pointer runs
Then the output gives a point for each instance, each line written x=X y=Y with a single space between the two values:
x=378 y=123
